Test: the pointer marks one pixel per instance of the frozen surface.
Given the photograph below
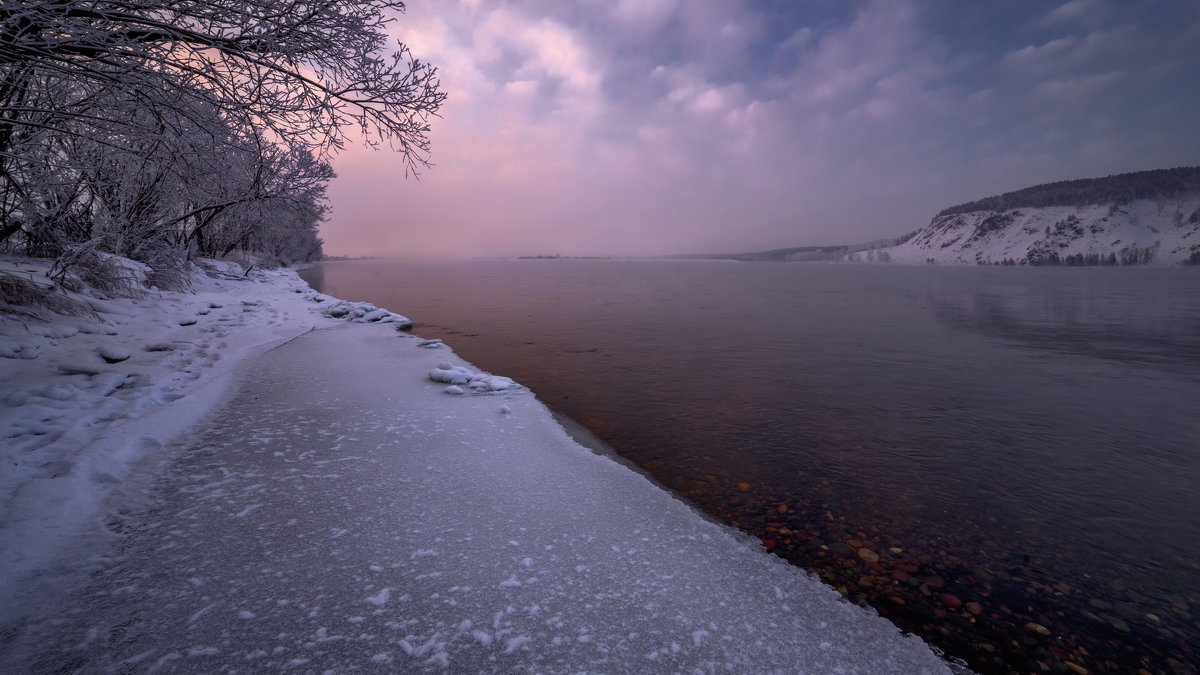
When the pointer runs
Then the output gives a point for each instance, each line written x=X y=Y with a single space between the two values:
x=339 y=512
x=84 y=396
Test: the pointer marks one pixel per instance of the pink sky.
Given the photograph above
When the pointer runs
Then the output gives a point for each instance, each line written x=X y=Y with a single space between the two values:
x=644 y=127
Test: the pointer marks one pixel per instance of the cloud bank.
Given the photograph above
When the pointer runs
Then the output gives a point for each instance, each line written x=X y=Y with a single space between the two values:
x=643 y=127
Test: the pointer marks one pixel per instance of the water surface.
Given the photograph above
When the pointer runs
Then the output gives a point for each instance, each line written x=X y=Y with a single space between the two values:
x=1002 y=460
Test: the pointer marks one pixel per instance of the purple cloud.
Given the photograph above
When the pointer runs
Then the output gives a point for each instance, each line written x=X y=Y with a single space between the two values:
x=640 y=128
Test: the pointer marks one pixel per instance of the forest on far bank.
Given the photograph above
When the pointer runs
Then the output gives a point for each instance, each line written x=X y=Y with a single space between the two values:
x=1118 y=190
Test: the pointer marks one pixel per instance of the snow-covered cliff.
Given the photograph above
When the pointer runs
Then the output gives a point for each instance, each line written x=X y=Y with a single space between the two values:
x=1153 y=231
x=1144 y=217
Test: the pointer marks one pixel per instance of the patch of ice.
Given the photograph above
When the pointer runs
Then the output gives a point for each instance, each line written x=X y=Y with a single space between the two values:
x=380 y=599
x=163 y=661
x=198 y=614
x=516 y=643
x=248 y=510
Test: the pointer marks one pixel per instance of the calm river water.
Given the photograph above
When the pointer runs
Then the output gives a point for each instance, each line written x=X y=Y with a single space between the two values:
x=1005 y=461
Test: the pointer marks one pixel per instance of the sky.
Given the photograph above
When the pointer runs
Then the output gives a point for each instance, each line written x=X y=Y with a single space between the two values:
x=656 y=127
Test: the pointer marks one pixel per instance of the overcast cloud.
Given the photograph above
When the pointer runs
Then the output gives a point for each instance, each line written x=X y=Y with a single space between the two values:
x=642 y=127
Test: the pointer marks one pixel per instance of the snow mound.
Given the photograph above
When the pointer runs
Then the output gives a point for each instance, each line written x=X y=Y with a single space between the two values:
x=112 y=354
x=138 y=273
x=481 y=383
x=221 y=269
x=11 y=348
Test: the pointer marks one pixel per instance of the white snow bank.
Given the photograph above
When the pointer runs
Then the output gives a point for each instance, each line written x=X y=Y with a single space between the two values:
x=83 y=397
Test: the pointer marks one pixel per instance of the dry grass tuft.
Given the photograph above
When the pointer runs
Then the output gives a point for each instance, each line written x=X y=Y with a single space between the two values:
x=24 y=297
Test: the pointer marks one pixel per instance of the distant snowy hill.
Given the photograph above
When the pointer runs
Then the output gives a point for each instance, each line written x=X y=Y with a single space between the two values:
x=1148 y=217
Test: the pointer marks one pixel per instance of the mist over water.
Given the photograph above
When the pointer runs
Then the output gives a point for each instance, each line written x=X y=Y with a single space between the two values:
x=1025 y=440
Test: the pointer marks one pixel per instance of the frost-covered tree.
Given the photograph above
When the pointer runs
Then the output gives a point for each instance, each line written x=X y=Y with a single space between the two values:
x=186 y=186
x=305 y=70
x=157 y=128
x=1115 y=190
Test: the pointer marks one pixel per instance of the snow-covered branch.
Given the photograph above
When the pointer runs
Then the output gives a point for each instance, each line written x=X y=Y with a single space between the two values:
x=159 y=129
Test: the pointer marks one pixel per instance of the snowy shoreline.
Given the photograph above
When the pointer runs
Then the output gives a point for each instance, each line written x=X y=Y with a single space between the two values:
x=97 y=398
x=88 y=395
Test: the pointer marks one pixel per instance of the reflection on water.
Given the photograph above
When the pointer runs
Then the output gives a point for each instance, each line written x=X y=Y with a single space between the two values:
x=314 y=275
x=1122 y=327
x=1002 y=460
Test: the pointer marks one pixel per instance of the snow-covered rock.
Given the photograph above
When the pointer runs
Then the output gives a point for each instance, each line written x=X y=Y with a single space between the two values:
x=458 y=376
x=360 y=312
x=112 y=354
